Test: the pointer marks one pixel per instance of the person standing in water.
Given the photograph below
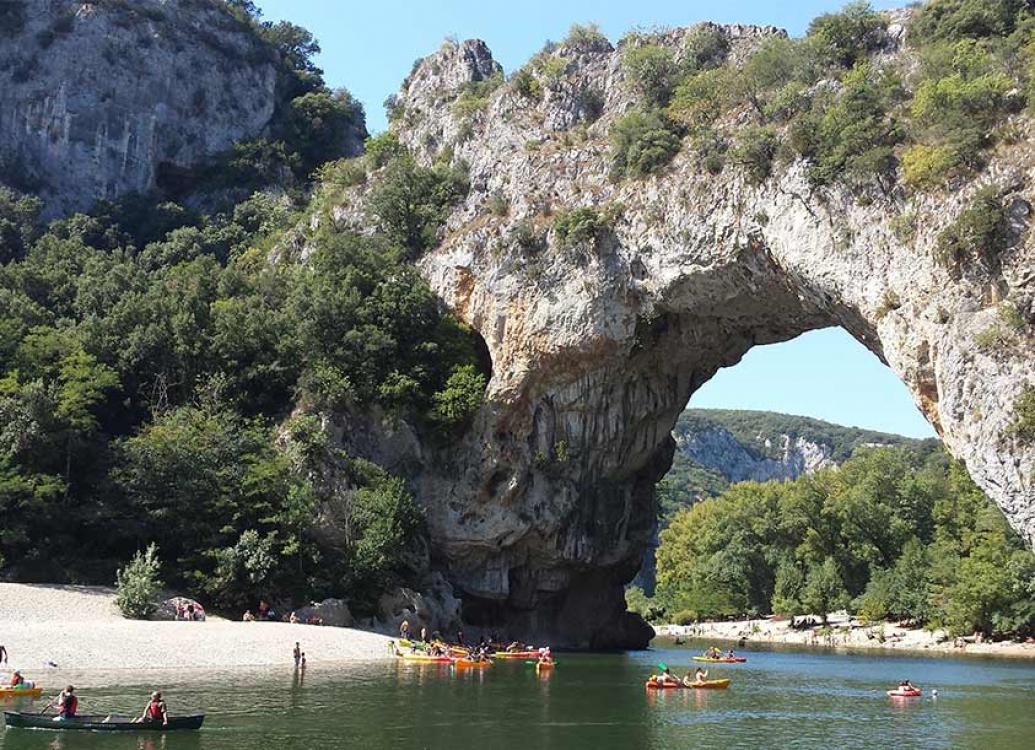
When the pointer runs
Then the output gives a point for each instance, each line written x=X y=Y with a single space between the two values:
x=297 y=654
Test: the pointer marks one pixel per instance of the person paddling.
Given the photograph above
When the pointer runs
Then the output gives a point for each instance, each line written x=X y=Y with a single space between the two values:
x=67 y=703
x=156 y=710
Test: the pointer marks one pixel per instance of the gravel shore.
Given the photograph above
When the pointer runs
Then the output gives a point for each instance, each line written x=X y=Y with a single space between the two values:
x=78 y=628
x=845 y=633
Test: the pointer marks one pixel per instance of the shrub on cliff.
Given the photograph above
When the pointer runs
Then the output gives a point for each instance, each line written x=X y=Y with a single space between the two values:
x=138 y=587
x=585 y=225
x=960 y=19
x=754 y=152
x=1023 y=426
x=410 y=202
x=848 y=36
x=978 y=235
x=651 y=69
x=642 y=143
x=853 y=136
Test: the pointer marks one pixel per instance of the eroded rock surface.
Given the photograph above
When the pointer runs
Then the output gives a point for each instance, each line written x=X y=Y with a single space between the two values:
x=542 y=514
x=102 y=99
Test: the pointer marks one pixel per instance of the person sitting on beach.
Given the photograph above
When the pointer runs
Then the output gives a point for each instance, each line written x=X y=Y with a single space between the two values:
x=67 y=703
x=293 y=619
x=156 y=710
x=515 y=647
x=248 y=616
x=264 y=610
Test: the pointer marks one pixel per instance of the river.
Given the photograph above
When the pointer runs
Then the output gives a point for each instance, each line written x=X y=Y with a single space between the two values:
x=779 y=698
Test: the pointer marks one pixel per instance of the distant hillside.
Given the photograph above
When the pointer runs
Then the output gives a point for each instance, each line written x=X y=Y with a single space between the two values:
x=717 y=447
x=756 y=431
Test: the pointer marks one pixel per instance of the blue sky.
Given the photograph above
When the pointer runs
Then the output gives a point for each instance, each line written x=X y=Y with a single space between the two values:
x=369 y=47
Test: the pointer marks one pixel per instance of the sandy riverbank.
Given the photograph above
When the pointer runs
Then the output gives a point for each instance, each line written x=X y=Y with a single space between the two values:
x=78 y=628
x=845 y=633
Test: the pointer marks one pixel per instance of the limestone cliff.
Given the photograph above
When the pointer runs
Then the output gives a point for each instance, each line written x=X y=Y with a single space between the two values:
x=760 y=446
x=542 y=514
x=99 y=99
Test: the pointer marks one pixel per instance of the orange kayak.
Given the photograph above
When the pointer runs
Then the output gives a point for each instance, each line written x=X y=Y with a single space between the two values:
x=471 y=663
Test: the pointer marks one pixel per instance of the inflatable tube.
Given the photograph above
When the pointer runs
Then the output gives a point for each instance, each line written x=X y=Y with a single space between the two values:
x=899 y=693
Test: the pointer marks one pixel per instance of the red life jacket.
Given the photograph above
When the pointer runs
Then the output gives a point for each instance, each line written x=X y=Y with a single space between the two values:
x=69 y=705
x=155 y=710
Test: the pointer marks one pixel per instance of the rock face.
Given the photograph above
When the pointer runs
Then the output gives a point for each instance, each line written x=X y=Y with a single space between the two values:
x=719 y=449
x=105 y=98
x=761 y=446
x=543 y=513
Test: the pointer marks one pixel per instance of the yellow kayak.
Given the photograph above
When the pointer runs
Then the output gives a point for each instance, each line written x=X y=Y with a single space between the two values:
x=426 y=658
x=708 y=685
x=10 y=692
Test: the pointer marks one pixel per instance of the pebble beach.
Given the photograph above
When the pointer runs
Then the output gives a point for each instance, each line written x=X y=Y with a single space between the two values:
x=78 y=628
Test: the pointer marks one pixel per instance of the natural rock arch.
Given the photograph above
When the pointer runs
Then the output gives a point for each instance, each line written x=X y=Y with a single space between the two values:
x=546 y=507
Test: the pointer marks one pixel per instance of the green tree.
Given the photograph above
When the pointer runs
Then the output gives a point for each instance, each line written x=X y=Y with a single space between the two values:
x=138 y=586
x=824 y=590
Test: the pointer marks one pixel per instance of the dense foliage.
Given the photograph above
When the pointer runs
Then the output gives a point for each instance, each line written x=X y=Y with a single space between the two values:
x=895 y=532
x=151 y=357
x=829 y=99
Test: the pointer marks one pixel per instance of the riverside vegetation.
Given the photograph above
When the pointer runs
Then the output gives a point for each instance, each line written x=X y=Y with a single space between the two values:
x=160 y=379
x=895 y=532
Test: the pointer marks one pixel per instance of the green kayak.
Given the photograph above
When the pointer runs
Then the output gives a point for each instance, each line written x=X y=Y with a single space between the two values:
x=100 y=723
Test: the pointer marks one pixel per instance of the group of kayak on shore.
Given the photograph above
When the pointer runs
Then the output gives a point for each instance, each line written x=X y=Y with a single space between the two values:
x=480 y=653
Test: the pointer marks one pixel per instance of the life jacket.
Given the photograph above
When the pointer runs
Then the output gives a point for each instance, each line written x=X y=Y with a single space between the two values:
x=155 y=710
x=69 y=705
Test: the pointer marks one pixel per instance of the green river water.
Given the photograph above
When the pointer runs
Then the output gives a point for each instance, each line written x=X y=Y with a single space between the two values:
x=779 y=699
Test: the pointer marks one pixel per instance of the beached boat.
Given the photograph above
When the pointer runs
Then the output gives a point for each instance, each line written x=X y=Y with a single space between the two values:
x=10 y=692
x=100 y=723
